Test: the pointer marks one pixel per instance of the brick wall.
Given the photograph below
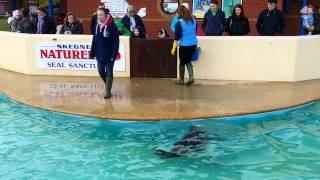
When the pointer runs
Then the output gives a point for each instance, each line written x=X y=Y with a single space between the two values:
x=83 y=9
x=5 y=6
x=2 y=8
x=154 y=21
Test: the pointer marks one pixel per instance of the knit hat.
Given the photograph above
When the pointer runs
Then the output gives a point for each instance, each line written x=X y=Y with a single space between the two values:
x=15 y=13
x=185 y=5
x=272 y=1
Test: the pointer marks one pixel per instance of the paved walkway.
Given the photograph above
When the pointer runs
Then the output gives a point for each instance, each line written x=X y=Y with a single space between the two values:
x=155 y=99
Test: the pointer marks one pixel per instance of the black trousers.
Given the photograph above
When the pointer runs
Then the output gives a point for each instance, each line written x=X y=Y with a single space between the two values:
x=105 y=68
x=186 y=53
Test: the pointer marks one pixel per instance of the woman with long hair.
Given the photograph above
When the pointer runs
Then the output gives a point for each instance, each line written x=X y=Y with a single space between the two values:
x=238 y=24
x=71 y=25
x=185 y=36
x=105 y=48
x=138 y=33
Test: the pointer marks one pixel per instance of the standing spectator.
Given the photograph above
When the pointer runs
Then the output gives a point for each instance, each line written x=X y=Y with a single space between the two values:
x=94 y=18
x=163 y=34
x=270 y=21
x=14 y=23
x=185 y=33
x=238 y=24
x=138 y=33
x=131 y=20
x=176 y=19
x=308 y=19
x=71 y=25
x=27 y=24
x=316 y=23
x=214 y=20
x=44 y=24
x=105 y=48
x=122 y=30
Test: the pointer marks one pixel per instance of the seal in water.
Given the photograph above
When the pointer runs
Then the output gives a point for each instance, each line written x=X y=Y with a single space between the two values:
x=196 y=140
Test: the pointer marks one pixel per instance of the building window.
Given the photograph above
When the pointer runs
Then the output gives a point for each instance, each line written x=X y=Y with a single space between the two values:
x=169 y=7
x=34 y=4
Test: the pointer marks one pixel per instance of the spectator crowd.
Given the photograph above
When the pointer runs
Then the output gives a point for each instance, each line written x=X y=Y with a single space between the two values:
x=270 y=22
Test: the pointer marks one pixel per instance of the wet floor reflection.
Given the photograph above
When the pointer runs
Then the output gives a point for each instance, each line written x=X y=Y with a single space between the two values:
x=142 y=98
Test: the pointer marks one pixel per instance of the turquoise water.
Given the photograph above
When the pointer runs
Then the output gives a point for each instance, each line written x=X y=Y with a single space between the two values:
x=38 y=144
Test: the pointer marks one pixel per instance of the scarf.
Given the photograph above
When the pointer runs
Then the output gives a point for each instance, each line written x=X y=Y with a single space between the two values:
x=40 y=25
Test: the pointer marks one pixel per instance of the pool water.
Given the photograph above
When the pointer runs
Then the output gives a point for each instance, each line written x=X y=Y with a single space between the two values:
x=38 y=144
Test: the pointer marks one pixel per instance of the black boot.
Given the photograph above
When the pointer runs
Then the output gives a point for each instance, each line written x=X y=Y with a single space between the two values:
x=107 y=93
x=190 y=71
x=181 y=74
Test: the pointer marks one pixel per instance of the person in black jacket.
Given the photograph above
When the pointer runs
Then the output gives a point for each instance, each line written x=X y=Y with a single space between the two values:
x=270 y=21
x=238 y=24
x=44 y=24
x=316 y=24
x=131 y=20
x=214 y=20
x=105 y=48
x=71 y=25
x=26 y=24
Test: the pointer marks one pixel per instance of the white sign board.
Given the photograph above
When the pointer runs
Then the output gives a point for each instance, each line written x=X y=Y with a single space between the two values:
x=72 y=56
x=118 y=8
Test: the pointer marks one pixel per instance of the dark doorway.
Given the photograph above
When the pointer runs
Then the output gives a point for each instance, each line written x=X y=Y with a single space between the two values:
x=152 y=58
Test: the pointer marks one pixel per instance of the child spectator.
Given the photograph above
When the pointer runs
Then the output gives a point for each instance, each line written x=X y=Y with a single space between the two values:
x=163 y=34
x=138 y=33
x=308 y=19
x=123 y=31
x=14 y=22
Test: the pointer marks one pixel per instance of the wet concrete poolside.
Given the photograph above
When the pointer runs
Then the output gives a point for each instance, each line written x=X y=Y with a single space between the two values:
x=155 y=99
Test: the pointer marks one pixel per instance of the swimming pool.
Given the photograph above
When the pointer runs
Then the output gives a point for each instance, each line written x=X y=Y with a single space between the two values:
x=39 y=144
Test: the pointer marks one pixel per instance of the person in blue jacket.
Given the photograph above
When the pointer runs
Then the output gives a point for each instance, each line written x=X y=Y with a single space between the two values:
x=185 y=34
x=105 y=48
x=214 y=20
x=176 y=18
